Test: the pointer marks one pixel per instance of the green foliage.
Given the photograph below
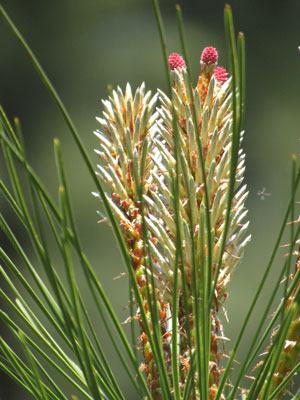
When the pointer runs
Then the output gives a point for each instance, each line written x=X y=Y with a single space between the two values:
x=72 y=347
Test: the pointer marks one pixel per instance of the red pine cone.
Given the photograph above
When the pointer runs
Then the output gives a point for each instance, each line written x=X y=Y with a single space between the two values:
x=176 y=61
x=221 y=75
x=209 y=55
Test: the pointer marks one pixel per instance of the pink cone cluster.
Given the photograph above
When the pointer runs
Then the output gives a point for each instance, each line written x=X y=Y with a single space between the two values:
x=209 y=57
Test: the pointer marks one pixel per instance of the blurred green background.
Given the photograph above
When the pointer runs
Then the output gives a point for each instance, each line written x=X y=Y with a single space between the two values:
x=84 y=45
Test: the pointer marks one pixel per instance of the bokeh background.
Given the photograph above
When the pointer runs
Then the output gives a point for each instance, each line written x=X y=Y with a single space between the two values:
x=84 y=45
